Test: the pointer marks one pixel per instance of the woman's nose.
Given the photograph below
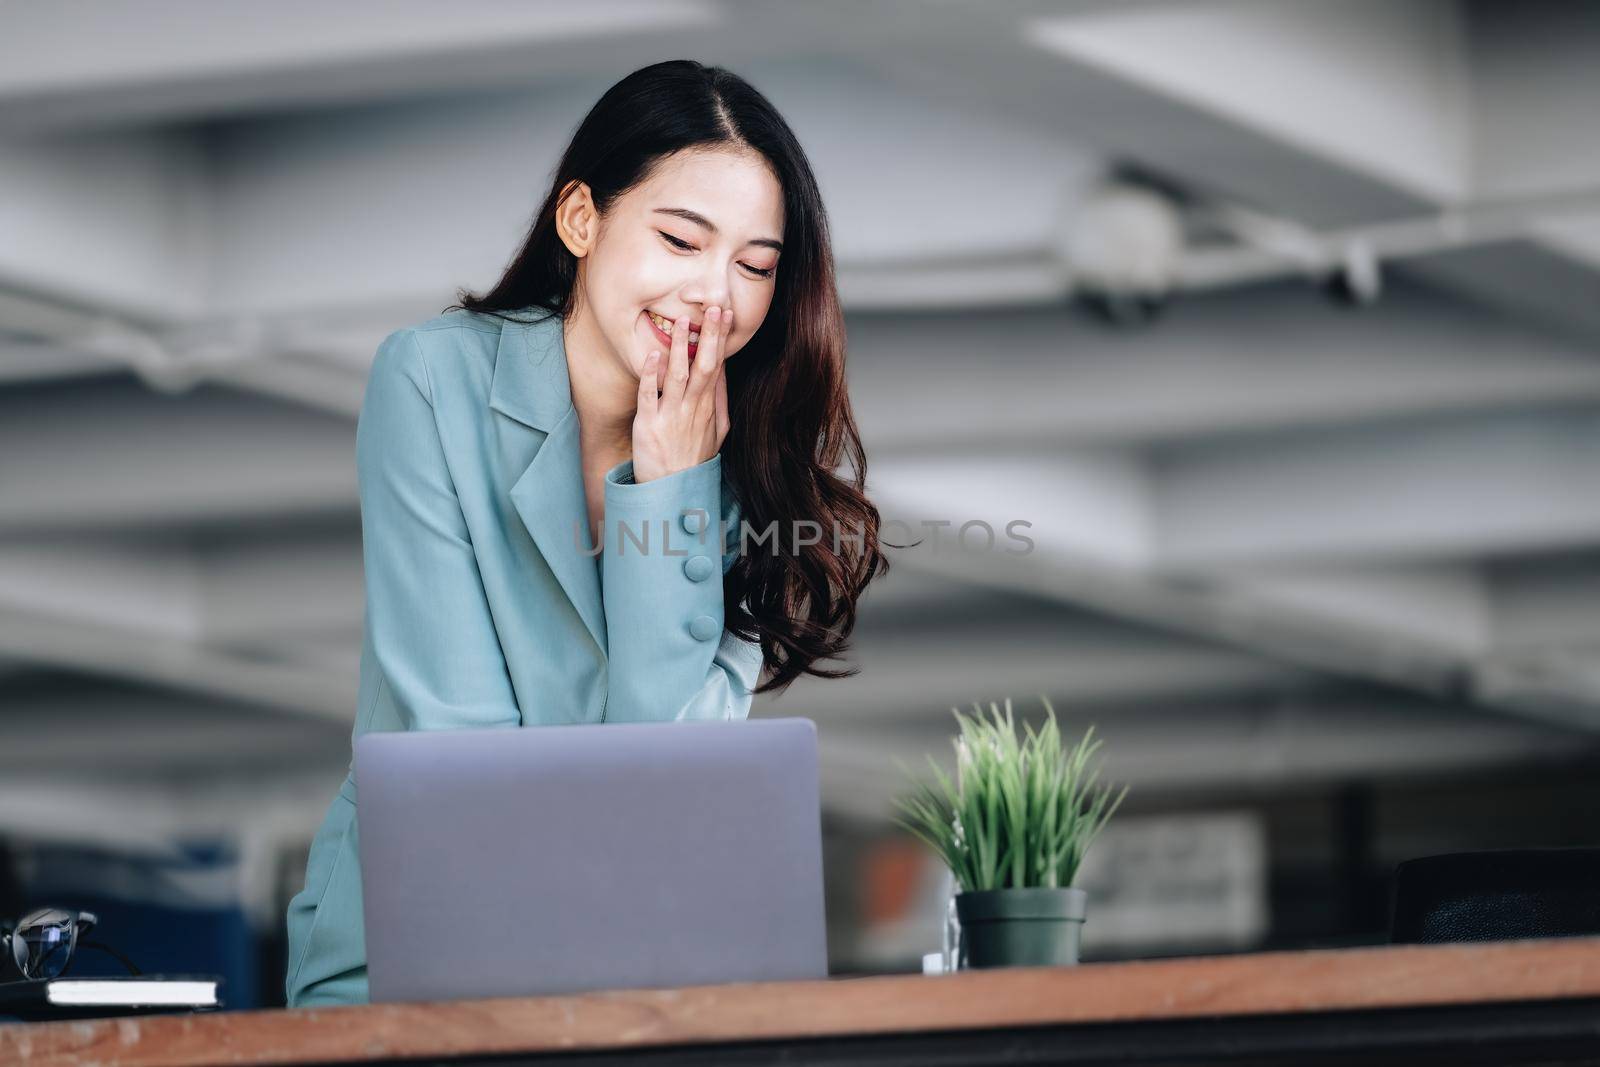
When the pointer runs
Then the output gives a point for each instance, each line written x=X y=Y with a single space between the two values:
x=708 y=294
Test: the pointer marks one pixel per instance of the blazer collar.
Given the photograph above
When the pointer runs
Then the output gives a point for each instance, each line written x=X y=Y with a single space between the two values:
x=530 y=372
x=531 y=386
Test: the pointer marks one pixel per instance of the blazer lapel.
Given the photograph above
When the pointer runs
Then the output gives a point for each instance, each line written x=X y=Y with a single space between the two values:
x=531 y=386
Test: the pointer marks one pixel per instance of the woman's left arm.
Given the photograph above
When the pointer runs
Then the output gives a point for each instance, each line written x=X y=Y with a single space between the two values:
x=662 y=567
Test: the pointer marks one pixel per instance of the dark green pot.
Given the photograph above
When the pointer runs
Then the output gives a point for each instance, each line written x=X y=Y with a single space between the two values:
x=1033 y=927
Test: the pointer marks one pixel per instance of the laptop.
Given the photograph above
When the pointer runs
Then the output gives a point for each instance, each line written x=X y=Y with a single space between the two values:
x=570 y=858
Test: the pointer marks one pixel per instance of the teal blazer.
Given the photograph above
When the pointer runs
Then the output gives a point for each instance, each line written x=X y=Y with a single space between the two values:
x=484 y=606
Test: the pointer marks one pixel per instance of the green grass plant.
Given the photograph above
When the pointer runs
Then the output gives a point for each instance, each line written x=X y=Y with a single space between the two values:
x=1021 y=813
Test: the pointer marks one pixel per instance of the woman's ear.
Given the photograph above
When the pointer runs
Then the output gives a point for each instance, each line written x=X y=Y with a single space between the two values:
x=577 y=221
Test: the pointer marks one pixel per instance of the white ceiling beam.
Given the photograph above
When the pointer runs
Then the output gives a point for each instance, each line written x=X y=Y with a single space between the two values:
x=109 y=455
x=917 y=675
x=1533 y=87
x=85 y=65
x=36 y=361
x=1549 y=280
x=140 y=656
x=1207 y=610
x=118 y=223
x=1392 y=493
x=962 y=55
x=1089 y=501
x=1525 y=628
x=250 y=591
x=1546 y=602
x=154 y=586
x=1332 y=635
x=1376 y=85
x=1493 y=485
x=294 y=587
x=294 y=215
x=1446 y=602
x=1281 y=357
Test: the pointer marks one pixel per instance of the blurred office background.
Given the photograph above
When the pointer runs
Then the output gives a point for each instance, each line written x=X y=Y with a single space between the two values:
x=1279 y=322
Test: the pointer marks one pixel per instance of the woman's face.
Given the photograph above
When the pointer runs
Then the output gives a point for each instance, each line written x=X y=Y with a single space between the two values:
x=703 y=230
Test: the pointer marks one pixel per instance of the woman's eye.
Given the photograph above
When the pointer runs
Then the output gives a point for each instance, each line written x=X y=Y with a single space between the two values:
x=685 y=246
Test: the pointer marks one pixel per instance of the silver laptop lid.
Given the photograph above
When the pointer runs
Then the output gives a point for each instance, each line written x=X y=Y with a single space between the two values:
x=558 y=859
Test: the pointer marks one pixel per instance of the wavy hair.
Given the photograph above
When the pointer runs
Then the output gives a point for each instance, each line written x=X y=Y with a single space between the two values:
x=789 y=410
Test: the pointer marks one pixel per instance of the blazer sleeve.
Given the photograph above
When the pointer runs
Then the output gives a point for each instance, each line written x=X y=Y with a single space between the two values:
x=427 y=613
x=663 y=561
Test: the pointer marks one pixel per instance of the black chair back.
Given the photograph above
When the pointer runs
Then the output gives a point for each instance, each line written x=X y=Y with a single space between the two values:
x=1501 y=895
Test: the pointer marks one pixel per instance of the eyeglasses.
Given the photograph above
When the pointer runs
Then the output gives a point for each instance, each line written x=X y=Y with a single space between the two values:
x=42 y=942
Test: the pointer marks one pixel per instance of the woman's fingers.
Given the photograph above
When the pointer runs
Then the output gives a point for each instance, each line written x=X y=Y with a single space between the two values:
x=689 y=420
x=672 y=392
x=708 y=355
x=649 y=383
x=717 y=401
x=722 y=404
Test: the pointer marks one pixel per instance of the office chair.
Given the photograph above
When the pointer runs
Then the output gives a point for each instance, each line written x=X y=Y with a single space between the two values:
x=1499 y=895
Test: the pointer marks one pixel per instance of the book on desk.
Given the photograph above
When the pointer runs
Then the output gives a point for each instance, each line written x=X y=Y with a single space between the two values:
x=62 y=998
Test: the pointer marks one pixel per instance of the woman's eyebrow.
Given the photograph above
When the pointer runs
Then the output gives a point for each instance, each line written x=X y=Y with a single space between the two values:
x=711 y=227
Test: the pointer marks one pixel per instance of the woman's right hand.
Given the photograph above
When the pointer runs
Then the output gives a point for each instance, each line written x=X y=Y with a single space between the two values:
x=685 y=425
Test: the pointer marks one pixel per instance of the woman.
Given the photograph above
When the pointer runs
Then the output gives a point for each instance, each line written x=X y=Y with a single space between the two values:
x=540 y=467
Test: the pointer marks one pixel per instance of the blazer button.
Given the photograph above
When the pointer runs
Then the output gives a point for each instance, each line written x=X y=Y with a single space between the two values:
x=698 y=568
x=703 y=628
x=694 y=520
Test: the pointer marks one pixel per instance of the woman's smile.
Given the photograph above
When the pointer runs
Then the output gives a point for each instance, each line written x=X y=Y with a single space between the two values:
x=662 y=327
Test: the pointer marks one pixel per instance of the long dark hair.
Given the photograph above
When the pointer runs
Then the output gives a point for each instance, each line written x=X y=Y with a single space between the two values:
x=789 y=412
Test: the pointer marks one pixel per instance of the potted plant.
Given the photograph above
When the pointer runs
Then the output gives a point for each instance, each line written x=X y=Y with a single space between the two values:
x=1013 y=828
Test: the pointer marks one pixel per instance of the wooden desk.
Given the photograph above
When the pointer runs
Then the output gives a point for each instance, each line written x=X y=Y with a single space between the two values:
x=1506 y=1002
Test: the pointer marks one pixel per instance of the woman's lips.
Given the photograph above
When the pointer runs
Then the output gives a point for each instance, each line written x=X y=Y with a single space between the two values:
x=666 y=339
